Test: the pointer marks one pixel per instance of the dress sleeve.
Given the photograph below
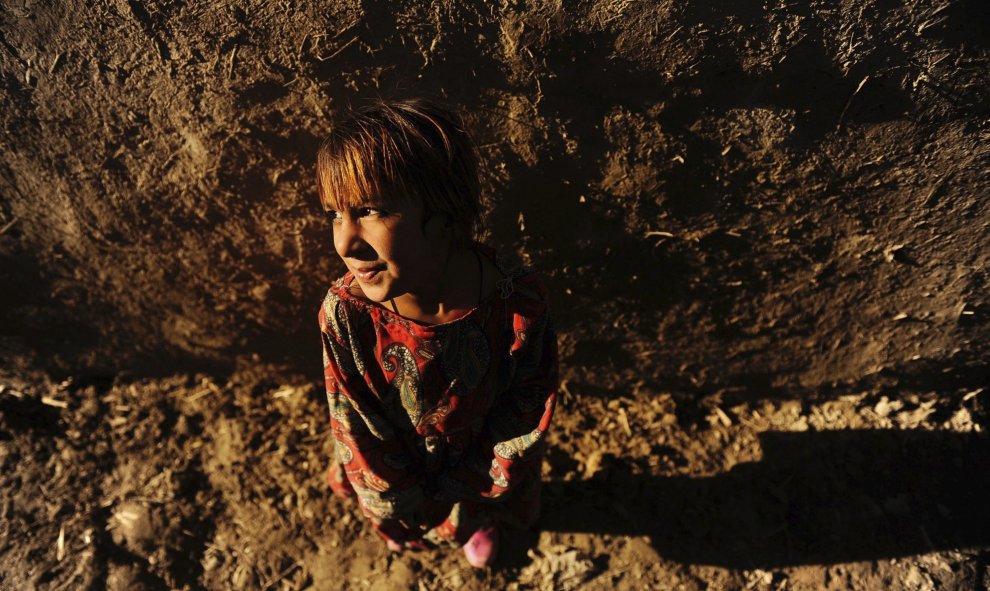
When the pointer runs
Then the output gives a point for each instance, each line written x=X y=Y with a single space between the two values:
x=371 y=454
x=510 y=445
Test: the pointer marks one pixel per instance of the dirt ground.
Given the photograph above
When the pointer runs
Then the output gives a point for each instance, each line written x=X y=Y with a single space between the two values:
x=192 y=482
x=763 y=225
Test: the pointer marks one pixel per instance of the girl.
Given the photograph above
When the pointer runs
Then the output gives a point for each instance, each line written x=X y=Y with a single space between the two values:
x=439 y=359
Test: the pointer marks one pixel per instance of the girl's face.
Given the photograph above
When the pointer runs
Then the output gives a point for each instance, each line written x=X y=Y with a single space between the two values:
x=389 y=249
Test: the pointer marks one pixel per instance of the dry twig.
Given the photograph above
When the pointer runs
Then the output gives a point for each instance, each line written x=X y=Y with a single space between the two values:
x=60 y=545
x=336 y=53
x=842 y=115
x=48 y=400
x=8 y=226
x=230 y=63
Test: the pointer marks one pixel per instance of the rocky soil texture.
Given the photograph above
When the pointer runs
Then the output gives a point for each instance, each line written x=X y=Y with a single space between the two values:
x=764 y=225
x=190 y=483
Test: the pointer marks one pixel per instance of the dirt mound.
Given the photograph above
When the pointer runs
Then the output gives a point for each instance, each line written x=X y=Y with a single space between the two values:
x=760 y=195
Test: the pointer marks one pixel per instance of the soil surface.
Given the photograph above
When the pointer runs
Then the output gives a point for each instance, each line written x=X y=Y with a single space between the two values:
x=764 y=226
x=191 y=482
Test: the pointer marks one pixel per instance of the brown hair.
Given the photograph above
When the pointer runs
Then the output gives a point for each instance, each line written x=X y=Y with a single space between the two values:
x=409 y=149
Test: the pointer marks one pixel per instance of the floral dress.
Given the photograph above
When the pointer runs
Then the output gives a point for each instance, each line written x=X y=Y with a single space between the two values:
x=439 y=429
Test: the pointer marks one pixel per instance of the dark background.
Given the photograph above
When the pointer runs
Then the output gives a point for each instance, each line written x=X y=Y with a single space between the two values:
x=722 y=195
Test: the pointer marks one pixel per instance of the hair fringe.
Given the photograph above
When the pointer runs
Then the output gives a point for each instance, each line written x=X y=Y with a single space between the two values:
x=411 y=149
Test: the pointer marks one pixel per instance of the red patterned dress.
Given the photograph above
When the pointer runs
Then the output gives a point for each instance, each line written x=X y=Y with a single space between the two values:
x=440 y=428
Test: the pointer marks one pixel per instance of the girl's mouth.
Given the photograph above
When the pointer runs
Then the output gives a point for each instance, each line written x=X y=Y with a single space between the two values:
x=368 y=273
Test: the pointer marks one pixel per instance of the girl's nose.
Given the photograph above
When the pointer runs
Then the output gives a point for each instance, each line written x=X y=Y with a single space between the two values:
x=347 y=238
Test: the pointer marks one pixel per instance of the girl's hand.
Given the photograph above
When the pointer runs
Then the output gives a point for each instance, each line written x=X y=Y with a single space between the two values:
x=420 y=527
x=416 y=521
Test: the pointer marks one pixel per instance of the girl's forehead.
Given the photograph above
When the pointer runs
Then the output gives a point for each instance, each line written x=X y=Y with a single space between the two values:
x=386 y=199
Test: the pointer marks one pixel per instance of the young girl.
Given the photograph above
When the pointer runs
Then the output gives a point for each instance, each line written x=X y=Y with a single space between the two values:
x=440 y=360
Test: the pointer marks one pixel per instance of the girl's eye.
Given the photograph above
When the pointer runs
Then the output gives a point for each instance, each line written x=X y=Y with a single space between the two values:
x=359 y=212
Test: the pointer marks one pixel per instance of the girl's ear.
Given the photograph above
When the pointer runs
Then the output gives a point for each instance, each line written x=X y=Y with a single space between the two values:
x=438 y=225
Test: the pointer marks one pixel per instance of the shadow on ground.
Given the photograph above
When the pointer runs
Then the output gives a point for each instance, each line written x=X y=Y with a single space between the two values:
x=813 y=498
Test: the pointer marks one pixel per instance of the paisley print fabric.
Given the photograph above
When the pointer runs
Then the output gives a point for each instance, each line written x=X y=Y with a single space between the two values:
x=465 y=356
x=405 y=384
x=440 y=428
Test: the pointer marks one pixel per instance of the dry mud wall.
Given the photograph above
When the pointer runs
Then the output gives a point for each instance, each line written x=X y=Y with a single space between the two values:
x=722 y=194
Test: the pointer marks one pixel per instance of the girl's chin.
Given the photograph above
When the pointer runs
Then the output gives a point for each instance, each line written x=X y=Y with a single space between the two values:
x=376 y=292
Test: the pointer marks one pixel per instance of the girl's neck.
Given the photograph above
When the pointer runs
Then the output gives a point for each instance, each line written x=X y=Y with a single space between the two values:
x=453 y=294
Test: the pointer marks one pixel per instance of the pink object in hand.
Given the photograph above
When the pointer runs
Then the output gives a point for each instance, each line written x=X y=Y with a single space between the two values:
x=481 y=548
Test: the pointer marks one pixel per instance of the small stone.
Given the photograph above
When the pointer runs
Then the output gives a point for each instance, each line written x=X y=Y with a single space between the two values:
x=125 y=578
x=135 y=526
